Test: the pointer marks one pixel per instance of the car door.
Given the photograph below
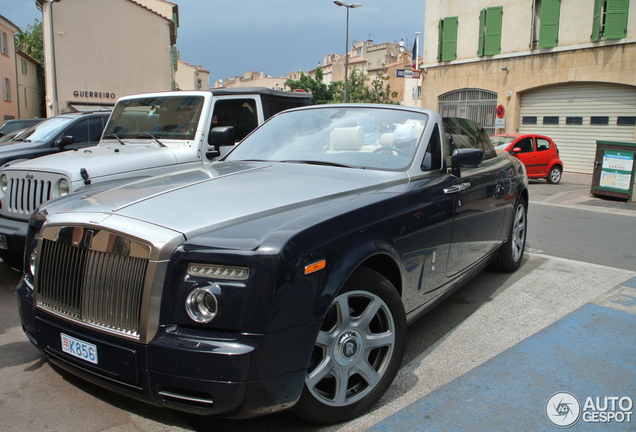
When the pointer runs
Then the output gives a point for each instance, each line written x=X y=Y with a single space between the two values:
x=480 y=206
x=527 y=155
x=85 y=133
x=544 y=154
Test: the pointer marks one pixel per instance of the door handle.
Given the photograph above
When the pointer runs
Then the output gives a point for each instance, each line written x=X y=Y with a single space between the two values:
x=456 y=188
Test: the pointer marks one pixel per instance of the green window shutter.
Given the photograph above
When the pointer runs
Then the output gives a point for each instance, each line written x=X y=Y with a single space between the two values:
x=174 y=54
x=494 y=19
x=482 y=32
x=449 y=47
x=597 y=21
x=440 y=39
x=549 y=30
x=616 y=19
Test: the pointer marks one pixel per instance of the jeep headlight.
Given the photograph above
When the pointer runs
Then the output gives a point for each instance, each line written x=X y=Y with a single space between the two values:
x=4 y=183
x=201 y=305
x=63 y=187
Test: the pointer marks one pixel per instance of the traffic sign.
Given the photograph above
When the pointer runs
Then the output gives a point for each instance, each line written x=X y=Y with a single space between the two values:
x=500 y=111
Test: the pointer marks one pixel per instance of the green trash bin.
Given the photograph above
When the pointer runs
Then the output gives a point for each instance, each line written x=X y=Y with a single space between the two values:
x=614 y=170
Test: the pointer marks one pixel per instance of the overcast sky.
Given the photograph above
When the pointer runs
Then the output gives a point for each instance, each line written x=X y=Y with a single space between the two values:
x=272 y=36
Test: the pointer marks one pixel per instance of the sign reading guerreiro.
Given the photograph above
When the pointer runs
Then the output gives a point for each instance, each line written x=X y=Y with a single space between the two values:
x=94 y=94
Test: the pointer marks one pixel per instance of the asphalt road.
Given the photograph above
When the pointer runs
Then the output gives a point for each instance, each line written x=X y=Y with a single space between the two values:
x=488 y=316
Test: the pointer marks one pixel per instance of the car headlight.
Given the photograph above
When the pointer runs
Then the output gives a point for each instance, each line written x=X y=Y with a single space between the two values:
x=201 y=305
x=63 y=187
x=215 y=271
x=4 y=183
x=32 y=259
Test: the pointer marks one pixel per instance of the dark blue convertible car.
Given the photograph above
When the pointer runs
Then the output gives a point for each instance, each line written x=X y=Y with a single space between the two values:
x=283 y=276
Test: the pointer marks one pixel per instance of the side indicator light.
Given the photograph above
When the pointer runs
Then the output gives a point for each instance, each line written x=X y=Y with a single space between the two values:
x=317 y=266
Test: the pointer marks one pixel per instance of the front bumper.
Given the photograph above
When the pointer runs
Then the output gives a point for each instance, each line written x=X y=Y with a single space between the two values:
x=13 y=232
x=205 y=373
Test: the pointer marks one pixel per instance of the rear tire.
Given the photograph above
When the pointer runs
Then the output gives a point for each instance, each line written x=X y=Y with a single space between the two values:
x=358 y=351
x=554 y=176
x=511 y=252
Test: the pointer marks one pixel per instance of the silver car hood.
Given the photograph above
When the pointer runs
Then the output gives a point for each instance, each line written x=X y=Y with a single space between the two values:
x=104 y=160
x=223 y=194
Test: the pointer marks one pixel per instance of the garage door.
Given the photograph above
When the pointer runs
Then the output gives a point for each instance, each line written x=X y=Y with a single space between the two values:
x=575 y=116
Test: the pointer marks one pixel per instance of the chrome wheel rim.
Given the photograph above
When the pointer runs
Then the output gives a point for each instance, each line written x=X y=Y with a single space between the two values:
x=353 y=350
x=518 y=233
x=555 y=175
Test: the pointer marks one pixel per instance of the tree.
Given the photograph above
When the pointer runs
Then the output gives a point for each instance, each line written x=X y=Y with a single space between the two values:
x=322 y=93
x=31 y=41
x=359 y=91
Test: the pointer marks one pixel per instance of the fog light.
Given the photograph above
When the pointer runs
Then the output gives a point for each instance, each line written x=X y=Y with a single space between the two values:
x=201 y=305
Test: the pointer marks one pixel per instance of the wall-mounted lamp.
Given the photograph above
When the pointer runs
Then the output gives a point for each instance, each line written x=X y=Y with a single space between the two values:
x=505 y=69
x=508 y=95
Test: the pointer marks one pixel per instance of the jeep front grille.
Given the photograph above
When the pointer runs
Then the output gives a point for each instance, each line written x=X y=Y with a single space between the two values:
x=98 y=288
x=25 y=195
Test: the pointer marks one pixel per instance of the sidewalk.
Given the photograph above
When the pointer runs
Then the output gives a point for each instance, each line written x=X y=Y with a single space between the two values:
x=574 y=190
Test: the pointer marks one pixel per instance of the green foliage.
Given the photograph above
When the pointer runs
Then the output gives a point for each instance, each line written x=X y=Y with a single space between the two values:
x=358 y=88
x=31 y=41
x=322 y=93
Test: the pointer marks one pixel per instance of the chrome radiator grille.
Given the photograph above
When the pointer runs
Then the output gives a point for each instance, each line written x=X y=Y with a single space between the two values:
x=97 y=288
x=25 y=194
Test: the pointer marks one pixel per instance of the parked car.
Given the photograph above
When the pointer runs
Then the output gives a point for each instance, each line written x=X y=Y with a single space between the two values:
x=68 y=131
x=284 y=275
x=538 y=153
x=12 y=135
x=14 y=124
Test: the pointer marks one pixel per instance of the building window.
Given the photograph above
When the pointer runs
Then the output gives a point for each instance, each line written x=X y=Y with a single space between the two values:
x=626 y=121
x=447 y=42
x=599 y=120
x=610 y=19
x=529 y=120
x=551 y=120
x=4 y=43
x=25 y=66
x=547 y=13
x=574 y=120
x=490 y=20
x=6 y=89
x=416 y=92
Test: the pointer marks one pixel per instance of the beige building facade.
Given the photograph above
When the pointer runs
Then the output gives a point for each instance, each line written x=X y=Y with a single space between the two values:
x=98 y=51
x=9 y=108
x=30 y=89
x=565 y=69
x=191 y=77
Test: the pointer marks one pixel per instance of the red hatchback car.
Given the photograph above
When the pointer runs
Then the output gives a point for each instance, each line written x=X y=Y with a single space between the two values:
x=537 y=152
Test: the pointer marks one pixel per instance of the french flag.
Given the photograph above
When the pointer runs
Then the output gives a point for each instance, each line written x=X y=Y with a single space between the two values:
x=414 y=55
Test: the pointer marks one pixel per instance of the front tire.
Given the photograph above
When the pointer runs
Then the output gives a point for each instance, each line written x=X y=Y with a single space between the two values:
x=511 y=252
x=358 y=351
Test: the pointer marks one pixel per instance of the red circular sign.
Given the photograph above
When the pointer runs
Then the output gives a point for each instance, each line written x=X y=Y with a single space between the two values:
x=500 y=111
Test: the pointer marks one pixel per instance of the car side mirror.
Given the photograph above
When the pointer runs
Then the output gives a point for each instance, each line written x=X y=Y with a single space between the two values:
x=65 y=140
x=465 y=158
x=220 y=136
x=516 y=150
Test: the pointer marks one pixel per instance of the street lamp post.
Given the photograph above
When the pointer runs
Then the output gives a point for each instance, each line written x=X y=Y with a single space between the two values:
x=347 y=6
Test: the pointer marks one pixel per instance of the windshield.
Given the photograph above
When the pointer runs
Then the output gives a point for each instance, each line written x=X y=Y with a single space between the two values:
x=501 y=142
x=46 y=130
x=361 y=137
x=175 y=117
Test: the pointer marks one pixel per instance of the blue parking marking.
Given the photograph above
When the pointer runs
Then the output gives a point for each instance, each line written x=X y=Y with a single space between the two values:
x=590 y=354
x=627 y=300
x=630 y=283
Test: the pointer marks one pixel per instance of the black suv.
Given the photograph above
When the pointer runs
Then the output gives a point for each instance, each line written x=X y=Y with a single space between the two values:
x=66 y=131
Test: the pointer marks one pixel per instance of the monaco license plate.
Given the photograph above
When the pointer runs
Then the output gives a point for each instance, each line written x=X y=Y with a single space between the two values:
x=79 y=348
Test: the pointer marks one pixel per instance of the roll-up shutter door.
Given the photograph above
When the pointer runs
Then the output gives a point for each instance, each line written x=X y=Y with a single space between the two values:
x=575 y=116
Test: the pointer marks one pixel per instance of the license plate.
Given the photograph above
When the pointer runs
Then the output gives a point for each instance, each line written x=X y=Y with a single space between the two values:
x=79 y=348
x=3 y=242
